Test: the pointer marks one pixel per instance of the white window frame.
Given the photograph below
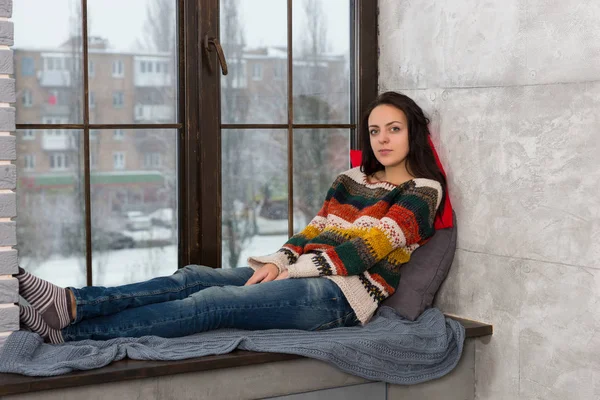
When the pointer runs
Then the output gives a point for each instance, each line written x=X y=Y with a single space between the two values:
x=118 y=160
x=29 y=160
x=257 y=72
x=54 y=120
x=59 y=158
x=118 y=95
x=152 y=160
x=27 y=98
x=28 y=134
x=118 y=69
x=118 y=134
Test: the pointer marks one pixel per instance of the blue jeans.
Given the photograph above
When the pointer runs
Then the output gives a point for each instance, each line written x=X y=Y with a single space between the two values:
x=196 y=299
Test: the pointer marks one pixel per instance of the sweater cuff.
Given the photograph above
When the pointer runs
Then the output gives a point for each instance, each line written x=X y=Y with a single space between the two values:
x=279 y=259
x=303 y=268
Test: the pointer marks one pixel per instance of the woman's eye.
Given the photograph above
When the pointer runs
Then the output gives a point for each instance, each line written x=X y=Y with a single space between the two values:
x=372 y=132
x=395 y=129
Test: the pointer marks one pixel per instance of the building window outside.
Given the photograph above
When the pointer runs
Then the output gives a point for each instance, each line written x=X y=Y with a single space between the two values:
x=59 y=161
x=29 y=161
x=92 y=100
x=118 y=69
x=152 y=160
x=27 y=66
x=143 y=67
x=257 y=72
x=27 y=98
x=150 y=66
x=91 y=69
x=119 y=160
x=28 y=134
x=118 y=134
x=118 y=99
x=54 y=120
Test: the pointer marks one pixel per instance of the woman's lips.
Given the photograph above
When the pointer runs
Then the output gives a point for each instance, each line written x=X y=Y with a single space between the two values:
x=384 y=152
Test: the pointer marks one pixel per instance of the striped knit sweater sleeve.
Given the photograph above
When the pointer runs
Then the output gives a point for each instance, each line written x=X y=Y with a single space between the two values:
x=408 y=222
x=294 y=247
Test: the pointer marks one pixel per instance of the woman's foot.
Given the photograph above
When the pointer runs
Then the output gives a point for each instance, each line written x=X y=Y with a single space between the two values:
x=34 y=322
x=53 y=303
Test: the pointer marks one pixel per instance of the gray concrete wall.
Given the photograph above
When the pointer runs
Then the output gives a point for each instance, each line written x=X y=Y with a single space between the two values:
x=9 y=313
x=513 y=88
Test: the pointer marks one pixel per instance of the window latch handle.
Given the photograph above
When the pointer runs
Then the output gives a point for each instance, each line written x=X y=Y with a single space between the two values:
x=220 y=55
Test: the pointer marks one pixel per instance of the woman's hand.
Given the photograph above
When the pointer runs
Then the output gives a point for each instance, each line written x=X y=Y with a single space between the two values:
x=266 y=273
x=283 y=275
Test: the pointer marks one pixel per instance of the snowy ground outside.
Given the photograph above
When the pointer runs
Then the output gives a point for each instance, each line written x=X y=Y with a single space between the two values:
x=118 y=267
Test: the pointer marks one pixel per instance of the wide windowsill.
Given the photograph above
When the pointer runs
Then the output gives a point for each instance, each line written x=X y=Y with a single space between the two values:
x=133 y=369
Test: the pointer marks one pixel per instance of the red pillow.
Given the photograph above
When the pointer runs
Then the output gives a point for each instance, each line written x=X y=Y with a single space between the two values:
x=443 y=220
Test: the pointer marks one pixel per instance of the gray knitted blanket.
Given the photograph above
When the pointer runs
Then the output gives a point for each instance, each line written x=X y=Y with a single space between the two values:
x=389 y=348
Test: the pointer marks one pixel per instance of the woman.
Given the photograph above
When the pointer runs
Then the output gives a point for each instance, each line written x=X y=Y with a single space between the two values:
x=373 y=218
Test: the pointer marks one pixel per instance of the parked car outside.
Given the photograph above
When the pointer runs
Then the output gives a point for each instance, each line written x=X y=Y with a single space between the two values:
x=162 y=217
x=110 y=240
x=136 y=220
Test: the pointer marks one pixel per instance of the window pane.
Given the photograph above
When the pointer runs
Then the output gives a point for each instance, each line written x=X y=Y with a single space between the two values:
x=254 y=193
x=255 y=90
x=319 y=156
x=126 y=91
x=50 y=206
x=321 y=61
x=48 y=62
x=134 y=205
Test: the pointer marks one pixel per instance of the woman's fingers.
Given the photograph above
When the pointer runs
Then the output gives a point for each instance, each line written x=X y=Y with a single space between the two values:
x=256 y=277
x=283 y=275
x=266 y=273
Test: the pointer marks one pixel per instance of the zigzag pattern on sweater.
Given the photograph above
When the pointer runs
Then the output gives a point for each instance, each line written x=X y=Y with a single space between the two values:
x=364 y=230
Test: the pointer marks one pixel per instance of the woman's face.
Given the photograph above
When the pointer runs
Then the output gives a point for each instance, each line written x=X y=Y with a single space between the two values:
x=388 y=131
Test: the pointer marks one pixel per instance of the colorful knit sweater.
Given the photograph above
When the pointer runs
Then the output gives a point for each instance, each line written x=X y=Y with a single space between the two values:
x=360 y=238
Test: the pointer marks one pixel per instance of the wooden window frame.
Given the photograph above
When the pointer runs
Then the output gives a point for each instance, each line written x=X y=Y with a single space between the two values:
x=204 y=240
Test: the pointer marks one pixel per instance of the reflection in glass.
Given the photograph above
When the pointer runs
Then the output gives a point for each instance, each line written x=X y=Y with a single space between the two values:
x=322 y=73
x=255 y=90
x=254 y=193
x=50 y=205
x=48 y=62
x=319 y=156
x=133 y=75
x=134 y=205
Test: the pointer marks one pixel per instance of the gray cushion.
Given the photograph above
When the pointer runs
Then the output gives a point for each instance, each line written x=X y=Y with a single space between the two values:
x=421 y=277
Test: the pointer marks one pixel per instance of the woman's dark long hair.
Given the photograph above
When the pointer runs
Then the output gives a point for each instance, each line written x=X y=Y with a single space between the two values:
x=420 y=161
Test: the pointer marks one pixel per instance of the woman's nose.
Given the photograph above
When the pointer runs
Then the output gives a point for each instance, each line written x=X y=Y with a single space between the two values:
x=383 y=138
